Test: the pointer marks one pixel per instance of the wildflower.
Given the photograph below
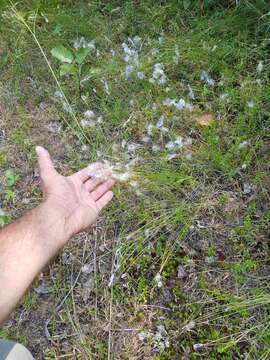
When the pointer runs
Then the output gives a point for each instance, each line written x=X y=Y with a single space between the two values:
x=259 y=66
x=206 y=78
x=168 y=88
x=112 y=52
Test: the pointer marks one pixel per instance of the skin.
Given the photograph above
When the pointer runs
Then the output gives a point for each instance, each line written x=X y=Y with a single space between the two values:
x=71 y=204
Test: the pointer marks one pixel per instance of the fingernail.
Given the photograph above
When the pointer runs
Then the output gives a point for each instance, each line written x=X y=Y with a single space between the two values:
x=38 y=150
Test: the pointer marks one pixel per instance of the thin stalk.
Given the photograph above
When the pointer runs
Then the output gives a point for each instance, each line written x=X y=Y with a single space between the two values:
x=21 y=19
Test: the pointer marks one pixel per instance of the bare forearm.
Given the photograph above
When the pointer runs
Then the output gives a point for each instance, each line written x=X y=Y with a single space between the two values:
x=72 y=204
x=25 y=248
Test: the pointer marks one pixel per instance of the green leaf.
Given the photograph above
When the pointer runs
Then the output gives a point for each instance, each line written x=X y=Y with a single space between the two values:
x=9 y=195
x=62 y=53
x=95 y=72
x=3 y=59
x=11 y=178
x=67 y=69
x=187 y=4
x=81 y=55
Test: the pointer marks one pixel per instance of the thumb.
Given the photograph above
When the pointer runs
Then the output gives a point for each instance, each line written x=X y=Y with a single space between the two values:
x=45 y=163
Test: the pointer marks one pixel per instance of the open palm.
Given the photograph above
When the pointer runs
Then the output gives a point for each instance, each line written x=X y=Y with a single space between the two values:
x=78 y=198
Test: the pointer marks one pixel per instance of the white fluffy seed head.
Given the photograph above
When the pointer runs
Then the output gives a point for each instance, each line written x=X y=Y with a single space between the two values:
x=260 y=66
x=121 y=177
x=146 y=139
x=89 y=114
x=99 y=170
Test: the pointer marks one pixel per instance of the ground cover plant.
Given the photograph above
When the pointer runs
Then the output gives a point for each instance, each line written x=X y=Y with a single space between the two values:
x=173 y=98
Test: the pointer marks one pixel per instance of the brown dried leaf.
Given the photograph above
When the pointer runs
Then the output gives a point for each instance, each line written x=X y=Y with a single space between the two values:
x=205 y=119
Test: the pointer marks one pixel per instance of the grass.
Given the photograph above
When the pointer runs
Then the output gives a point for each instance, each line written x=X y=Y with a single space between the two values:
x=178 y=265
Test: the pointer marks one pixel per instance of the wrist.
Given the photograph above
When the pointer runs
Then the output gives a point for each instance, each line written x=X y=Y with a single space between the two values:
x=51 y=227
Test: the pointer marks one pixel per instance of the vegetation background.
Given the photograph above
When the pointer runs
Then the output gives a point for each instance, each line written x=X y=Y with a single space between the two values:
x=175 y=96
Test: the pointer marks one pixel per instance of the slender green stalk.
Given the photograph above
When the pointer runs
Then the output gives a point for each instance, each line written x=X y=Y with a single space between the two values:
x=22 y=20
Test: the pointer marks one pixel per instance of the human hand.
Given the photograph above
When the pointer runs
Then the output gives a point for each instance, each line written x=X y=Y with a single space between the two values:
x=75 y=200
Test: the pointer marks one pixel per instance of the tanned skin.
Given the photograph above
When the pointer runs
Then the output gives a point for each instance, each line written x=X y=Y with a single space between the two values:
x=71 y=204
